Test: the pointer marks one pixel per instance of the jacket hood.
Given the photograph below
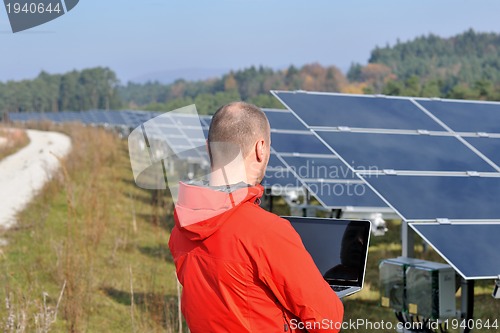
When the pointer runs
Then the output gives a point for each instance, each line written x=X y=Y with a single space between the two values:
x=201 y=210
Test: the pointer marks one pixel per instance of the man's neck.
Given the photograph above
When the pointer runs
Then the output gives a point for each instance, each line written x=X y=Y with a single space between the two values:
x=228 y=176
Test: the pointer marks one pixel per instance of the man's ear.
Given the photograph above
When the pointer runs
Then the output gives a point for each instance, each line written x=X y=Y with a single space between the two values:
x=260 y=150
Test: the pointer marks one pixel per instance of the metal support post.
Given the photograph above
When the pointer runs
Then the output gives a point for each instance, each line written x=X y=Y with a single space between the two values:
x=467 y=304
x=408 y=240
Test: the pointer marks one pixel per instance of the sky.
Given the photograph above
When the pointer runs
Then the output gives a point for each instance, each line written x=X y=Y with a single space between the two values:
x=137 y=38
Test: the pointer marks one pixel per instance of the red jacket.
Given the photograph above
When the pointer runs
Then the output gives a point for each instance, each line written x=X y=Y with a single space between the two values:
x=244 y=269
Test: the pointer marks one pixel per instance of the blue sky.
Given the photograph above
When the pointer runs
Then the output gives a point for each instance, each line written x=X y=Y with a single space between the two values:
x=135 y=38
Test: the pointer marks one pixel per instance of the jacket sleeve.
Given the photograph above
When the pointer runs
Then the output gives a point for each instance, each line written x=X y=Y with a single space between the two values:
x=288 y=270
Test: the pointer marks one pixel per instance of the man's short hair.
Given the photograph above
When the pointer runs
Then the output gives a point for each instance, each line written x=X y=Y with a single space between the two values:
x=237 y=124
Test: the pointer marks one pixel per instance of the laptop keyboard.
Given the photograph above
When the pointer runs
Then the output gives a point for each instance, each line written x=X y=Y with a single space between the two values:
x=339 y=288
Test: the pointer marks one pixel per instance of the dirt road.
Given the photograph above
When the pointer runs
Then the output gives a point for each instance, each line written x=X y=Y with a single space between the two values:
x=23 y=174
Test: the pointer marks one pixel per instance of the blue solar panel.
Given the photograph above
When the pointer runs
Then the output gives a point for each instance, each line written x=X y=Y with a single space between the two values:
x=170 y=131
x=344 y=194
x=274 y=162
x=334 y=110
x=281 y=179
x=193 y=133
x=328 y=167
x=206 y=120
x=404 y=152
x=130 y=120
x=178 y=142
x=164 y=120
x=93 y=117
x=420 y=198
x=298 y=143
x=487 y=146
x=464 y=116
x=115 y=118
x=185 y=120
x=101 y=117
x=473 y=249
x=284 y=120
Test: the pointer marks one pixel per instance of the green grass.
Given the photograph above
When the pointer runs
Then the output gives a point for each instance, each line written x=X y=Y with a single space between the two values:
x=16 y=140
x=93 y=231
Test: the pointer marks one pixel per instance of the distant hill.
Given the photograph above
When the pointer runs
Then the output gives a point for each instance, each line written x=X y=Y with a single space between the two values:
x=469 y=57
x=251 y=84
x=463 y=66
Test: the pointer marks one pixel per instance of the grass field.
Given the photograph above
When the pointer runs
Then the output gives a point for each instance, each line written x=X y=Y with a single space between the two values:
x=90 y=253
x=11 y=141
x=94 y=232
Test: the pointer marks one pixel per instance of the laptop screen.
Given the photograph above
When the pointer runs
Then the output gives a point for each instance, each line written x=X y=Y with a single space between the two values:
x=338 y=247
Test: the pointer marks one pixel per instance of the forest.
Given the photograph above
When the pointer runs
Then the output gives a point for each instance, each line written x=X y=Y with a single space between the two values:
x=465 y=66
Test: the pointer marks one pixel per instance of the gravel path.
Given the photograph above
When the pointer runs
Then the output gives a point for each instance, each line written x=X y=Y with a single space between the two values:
x=24 y=173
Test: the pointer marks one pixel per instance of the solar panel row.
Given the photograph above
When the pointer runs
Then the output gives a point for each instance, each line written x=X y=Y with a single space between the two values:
x=303 y=160
x=431 y=160
x=311 y=164
x=403 y=147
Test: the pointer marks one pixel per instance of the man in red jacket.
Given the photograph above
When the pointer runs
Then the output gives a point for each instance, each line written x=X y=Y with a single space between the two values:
x=242 y=268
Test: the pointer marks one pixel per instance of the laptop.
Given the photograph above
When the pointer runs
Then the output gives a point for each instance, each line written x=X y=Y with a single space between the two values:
x=339 y=249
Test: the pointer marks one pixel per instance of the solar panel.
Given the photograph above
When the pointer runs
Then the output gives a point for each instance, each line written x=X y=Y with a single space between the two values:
x=472 y=249
x=466 y=116
x=206 y=121
x=404 y=152
x=179 y=134
x=439 y=169
x=438 y=164
x=115 y=118
x=130 y=119
x=186 y=120
x=178 y=142
x=170 y=131
x=427 y=198
x=306 y=157
x=298 y=143
x=195 y=133
x=283 y=120
x=490 y=147
x=335 y=195
x=357 y=111
x=281 y=179
x=165 y=121
x=274 y=162
x=101 y=118
x=319 y=167
x=93 y=115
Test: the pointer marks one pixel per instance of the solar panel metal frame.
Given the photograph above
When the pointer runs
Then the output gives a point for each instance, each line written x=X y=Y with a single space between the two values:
x=374 y=129
x=303 y=181
x=416 y=137
x=350 y=208
x=446 y=100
